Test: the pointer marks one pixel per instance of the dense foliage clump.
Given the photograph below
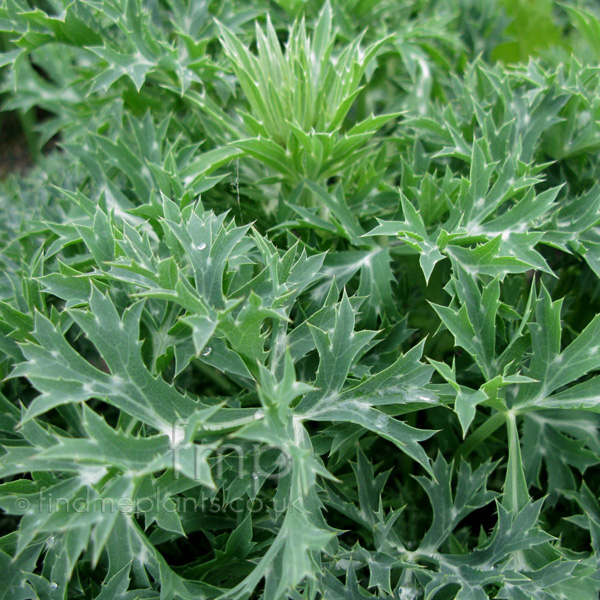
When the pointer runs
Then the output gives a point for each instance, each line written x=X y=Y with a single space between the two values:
x=300 y=299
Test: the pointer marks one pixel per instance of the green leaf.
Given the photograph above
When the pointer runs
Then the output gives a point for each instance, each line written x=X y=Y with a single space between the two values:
x=129 y=385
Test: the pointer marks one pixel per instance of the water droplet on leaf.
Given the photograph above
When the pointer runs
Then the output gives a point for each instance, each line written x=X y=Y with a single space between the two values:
x=201 y=246
x=206 y=351
x=258 y=415
x=381 y=421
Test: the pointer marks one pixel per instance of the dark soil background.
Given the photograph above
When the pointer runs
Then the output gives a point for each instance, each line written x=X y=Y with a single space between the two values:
x=14 y=152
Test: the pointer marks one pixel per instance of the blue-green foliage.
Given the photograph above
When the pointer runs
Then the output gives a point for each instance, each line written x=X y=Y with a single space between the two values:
x=300 y=300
